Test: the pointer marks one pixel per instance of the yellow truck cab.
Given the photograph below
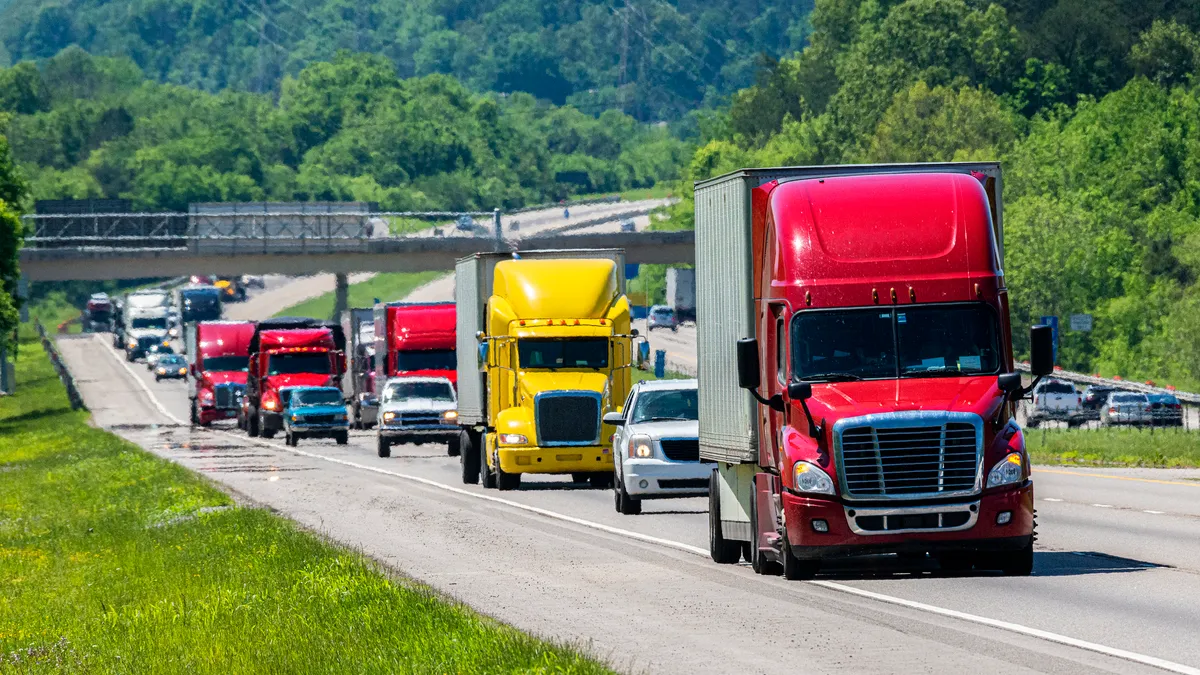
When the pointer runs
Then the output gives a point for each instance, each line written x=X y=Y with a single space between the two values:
x=544 y=351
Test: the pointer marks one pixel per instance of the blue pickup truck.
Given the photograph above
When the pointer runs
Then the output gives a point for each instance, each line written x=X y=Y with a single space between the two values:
x=314 y=412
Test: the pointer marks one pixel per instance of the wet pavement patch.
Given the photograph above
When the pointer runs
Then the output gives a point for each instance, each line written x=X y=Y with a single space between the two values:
x=253 y=468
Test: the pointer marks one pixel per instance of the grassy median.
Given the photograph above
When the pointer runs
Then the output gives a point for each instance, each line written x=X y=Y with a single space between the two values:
x=1175 y=448
x=113 y=560
x=387 y=286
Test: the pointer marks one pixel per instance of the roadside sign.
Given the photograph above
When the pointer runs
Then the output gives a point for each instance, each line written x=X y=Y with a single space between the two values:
x=1081 y=323
x=1052 y=321
x=631 y=270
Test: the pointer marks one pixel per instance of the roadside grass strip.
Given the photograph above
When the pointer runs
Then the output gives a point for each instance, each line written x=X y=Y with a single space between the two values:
x=1170 y=448
x=386 y=286
x=113 y=560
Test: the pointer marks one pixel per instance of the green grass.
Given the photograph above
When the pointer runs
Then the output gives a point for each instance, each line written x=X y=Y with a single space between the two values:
x=1114 y=447
x=113 y=560
x=385 y=286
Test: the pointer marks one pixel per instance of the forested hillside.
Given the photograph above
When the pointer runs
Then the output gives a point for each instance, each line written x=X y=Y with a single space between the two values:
x=1094 y=109
x=655 y=59
x=349 y=129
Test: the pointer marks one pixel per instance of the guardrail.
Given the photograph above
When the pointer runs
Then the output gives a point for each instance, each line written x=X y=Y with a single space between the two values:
x=61 y=368
x=1129 y=385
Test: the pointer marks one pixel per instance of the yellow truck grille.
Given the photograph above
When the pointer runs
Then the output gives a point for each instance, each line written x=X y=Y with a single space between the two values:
x=568 y=418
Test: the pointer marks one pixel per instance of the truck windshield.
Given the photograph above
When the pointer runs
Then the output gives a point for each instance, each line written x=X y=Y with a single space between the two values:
x=429 y=359
x=226 y=364
x=160 y=324
x=436 y=391
x=316 y=397
x=675 y=404
x=289 y=364
x=887 y=343
x=564 y=353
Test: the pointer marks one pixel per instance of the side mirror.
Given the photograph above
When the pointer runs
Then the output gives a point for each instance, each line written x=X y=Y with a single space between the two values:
x=1010 y=384
x=479 y=336
x=1041 y=350
x=483 y=355
x=633 y=332
x=799 y=391
x=747 y=363
x=614 y=418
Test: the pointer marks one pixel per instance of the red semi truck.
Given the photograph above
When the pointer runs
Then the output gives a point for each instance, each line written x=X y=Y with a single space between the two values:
x=288 y=352
x=856 y=374
x=217 y=353
x=415 y=338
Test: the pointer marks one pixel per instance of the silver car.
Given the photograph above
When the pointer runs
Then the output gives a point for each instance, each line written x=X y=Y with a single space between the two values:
x=1125 y=407
x=656 y=450
x=417 y=410
x=662 y=316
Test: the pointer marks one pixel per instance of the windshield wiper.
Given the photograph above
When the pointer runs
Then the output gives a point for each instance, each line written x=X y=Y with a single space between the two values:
x=668 y=419
x=833 y=377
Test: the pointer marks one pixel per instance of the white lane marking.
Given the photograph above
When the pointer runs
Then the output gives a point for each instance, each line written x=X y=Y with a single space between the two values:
x=1051 y=499
x=1157 y=513
x=629 y=534
x=1103 y=506
x=141 y=383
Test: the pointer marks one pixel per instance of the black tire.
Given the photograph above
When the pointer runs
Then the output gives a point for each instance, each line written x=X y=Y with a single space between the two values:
x=291 y=439
x=453 y=447
x=486 y=478
x=601 y=481
x=357 y=412
x=342 y=437
x=267 y=433
x=758 y=562
x=506 y=482
x=157 y=378
x=384 y=447
x=626 y=505
x=194 y=414
x=468 y=459
x=1032 y=422
x=252 y=424
x=797 y=569
x=722 y=550
x=1018 y=563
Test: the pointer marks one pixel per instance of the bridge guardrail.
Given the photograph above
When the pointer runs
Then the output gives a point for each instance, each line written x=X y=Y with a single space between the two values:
x=60 y=368
x=1080 y=378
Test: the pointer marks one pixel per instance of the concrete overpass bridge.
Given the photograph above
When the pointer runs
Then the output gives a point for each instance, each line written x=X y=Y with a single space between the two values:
x=126 y=246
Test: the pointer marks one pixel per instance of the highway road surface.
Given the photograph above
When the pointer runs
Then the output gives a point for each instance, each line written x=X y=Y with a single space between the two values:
x=1116 y=586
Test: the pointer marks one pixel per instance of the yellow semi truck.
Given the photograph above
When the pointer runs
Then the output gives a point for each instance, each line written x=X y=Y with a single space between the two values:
x=544 y=350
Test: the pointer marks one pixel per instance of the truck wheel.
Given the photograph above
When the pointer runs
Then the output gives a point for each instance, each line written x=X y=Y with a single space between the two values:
x=342 y=437
x=796 y=569
x=195 y=415
x=384 y=447
x=468 y=459
x=1018 y=563
x=252 y=425
x=626 y=505
x=486 y=478
x=453 y=447
x=291 y=440
x=507 y=481
x=266 y=433
x=1032 y=422
x=722 y=550
x=758 y=562
x=601 y=481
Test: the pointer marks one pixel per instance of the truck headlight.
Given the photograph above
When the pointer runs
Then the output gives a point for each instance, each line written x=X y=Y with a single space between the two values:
x=450 y=415
x=808 y=477
x=162 y=371
x=1007 y=471
x=513 y=439
x=183 y=371
x=640 y=446
x=269 y=405
x=389 y=416
x=132 y=344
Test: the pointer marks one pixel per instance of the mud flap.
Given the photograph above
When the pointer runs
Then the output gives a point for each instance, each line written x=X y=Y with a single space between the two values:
x=736 y=482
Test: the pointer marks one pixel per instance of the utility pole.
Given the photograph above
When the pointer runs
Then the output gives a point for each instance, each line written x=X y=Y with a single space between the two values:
x=624 y=55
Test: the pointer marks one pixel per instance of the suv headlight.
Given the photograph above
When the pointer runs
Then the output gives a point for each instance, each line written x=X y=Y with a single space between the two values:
x=389 y=416
x=640 y=446
x=1007 y=471
x=807 y=477
x=513 y=439
x=450 y=415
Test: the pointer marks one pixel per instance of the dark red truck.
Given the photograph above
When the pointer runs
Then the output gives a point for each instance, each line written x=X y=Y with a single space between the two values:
x=288 y=352
x=217 y=353
x=856 y=373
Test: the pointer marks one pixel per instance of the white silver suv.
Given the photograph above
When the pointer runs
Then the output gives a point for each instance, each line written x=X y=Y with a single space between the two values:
x=1055 y=400
x=657 y=447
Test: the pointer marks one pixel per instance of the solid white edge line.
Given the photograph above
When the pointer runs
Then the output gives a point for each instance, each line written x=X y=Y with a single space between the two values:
x=141 y=383
x=1152 y=661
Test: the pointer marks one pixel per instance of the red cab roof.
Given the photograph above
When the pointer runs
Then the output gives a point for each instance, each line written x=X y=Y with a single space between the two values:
x=292 y=338
x=224 y=338
x=421 y=326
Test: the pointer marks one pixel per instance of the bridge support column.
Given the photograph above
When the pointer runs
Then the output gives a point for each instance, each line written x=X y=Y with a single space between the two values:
x=341 y=295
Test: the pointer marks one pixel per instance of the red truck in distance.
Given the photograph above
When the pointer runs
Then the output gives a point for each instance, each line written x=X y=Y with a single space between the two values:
x=415 y=339
x=856 y=373
x=288 y=352
x=217 y=353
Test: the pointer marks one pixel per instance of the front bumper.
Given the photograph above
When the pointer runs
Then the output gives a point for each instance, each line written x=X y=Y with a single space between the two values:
x=317 y=430
x=664 y=478
x=841 y=539
x=432 y=433
x=211 y=414
x=567 y=459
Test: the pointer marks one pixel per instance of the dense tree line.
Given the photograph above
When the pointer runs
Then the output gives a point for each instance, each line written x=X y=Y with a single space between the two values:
x=13 y=192
x=655 y=59
x=350 y=129
x=1094 y=110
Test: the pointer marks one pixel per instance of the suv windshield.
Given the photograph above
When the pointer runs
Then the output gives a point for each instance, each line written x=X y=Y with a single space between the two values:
x=288 y=364
x=172 y=360
x=563 y=353
x=886 y=343
x=148 y=323
x=675 y=404
x=436 y=391
x=430 y=359
x=226 y=364
x=316 y=397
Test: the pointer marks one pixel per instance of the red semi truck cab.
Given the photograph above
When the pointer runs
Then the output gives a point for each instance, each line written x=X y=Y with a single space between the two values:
x=415 y=339
x=217 y=353
x=856 y=369
x=288 y=352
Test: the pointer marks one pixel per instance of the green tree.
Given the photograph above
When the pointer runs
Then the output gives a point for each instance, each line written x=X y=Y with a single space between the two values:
x=1168 y=53
x=942 y=125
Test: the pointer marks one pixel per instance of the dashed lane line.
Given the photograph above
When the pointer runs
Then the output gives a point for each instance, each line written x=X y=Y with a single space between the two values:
x=1063 y=472
x=1019 y=629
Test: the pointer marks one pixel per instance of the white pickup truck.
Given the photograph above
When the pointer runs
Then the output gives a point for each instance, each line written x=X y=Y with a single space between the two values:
x=1055 y=400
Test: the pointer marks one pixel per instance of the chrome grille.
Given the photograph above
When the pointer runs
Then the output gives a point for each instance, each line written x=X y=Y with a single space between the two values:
x=420 y=418
x=909 y=455
x=228 y=395
x=568 y=419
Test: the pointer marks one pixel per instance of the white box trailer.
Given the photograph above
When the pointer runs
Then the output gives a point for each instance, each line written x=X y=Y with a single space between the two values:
x=681 y=292
x=474 y=276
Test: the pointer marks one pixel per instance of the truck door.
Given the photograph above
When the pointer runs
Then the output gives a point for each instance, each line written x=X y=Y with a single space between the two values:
x=774 y=379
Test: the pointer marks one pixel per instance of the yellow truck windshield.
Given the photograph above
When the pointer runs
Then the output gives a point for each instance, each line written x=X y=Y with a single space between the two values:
x=563 y=353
